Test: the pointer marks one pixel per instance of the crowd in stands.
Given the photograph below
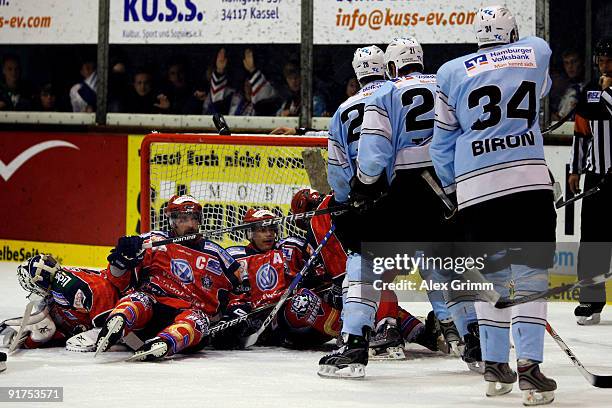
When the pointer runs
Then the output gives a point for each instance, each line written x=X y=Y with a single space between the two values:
x=243 y=90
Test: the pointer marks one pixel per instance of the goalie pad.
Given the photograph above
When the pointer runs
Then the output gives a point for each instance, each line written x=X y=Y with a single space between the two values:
x=30 y=331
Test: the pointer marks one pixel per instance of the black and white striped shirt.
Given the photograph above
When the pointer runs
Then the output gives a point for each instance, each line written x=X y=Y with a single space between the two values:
x=592 y=145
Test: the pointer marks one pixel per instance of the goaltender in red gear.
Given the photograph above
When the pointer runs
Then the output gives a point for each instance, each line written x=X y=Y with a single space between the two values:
x=178 y=287
x=75 y=300
x=271 y=264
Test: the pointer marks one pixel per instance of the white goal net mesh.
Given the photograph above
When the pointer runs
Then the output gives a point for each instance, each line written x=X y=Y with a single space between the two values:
x=226 y=178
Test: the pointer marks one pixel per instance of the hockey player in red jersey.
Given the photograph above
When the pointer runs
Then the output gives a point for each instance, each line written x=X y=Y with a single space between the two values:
x=178 y=287
x=271 y=264
x=75 y=300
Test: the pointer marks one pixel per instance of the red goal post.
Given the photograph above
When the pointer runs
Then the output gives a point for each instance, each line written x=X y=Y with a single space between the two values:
x=227 y=174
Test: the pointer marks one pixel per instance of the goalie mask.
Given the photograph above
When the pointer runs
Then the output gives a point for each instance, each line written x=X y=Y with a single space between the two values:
x=259 y=214
x=495 y=25
x=181 y=207
x=305 y=200
x=36 y=274
x=400 y=53
x=368 y=61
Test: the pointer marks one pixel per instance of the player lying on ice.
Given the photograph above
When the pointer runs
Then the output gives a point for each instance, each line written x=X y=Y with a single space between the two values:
x=74 y=301
x=178 y=289
x=307 y=319
x=394 y=325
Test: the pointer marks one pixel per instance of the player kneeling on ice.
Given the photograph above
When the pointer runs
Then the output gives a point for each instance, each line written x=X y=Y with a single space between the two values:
x=74 y=302
x=394 y=325
x=179 y=287
x=271 y=264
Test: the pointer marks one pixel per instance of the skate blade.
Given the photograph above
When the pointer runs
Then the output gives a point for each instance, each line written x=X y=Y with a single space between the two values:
x=535 y=397
x=156 y=352
x=114 y=326
x=455 y=349
x=351 y=371
x=594 y=319
x=496 y=388
x=391 y=353
x=476 y=366
x=2 y=366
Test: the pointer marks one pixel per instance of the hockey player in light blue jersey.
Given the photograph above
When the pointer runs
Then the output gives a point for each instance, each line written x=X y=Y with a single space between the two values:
x=488 y=152
x=351 y=228
x=395 y=136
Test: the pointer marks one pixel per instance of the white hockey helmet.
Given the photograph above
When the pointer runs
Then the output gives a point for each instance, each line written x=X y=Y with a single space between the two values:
x=495 y=25
x=368 y=61
x=402 y=51
x=36 y=274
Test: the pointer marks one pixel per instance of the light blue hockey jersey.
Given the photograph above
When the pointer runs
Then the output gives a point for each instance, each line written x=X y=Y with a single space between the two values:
x=344 y=132
x=397 y=128
x=487 y=141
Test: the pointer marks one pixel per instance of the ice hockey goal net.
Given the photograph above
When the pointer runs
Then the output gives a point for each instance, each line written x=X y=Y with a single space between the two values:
x=227 y=174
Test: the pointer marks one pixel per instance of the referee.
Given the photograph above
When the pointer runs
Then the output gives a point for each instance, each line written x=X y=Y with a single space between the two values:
x=592 y=155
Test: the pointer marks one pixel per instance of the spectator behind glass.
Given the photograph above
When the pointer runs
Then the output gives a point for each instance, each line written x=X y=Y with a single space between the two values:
x=83 y=94
x=14 y=93
x=48 y=99
x=292 y=104
x=179 y=90
x=118 y=84
x=257 y=96
x=573 y=65
x=142 y=98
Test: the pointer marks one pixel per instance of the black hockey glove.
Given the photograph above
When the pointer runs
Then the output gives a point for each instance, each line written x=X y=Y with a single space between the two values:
x=362 y=196
x=128 y=253
x=244 y=287
x=333 y=297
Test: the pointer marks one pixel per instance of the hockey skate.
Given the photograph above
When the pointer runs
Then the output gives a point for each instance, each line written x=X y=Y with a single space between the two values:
x=471 y=350
x=588 y=314
x=430 y=336
x=2 y=361
x=537 y=388
x=452 y=342
x=110 y=333
x=499 y=377
x=152 y=349
x=387 y=343
x=348 y=361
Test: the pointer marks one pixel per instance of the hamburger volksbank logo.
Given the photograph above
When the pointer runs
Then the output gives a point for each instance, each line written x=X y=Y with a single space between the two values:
x=182 y=269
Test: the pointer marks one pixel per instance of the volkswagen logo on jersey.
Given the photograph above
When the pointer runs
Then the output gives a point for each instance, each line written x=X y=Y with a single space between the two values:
x=266 y=277
x=182 y=269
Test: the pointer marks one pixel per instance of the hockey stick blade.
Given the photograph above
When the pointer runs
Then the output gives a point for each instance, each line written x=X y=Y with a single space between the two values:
x=505 y=303
x=599 y=381
x=335 y=210
x=221 y=125
x=252 y=339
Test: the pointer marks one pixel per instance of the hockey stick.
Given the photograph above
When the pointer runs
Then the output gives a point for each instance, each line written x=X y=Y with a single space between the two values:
x=606 y=179
x=24 y=322
x=595 y=280
x=252 y=339
x=559 y=123
x=336 y=210
x=221 y=125
x=440 y=193
x=599 y=381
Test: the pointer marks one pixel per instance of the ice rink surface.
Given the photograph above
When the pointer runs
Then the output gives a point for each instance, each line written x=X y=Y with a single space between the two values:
x=275 y=377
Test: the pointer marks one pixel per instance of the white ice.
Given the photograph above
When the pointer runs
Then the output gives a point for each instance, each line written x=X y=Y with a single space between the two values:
x=274 y=377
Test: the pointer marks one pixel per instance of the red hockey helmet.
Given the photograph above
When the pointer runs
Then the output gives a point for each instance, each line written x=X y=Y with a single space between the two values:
x=258 y=214
x=184 y=204
x=304 y=200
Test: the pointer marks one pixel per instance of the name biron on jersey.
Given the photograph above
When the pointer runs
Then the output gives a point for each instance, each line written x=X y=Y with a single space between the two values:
x=496 y=144
x=513 y=57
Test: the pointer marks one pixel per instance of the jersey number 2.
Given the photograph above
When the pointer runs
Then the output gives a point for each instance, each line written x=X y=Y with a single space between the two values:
x=492 y=108
x=353 y=134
